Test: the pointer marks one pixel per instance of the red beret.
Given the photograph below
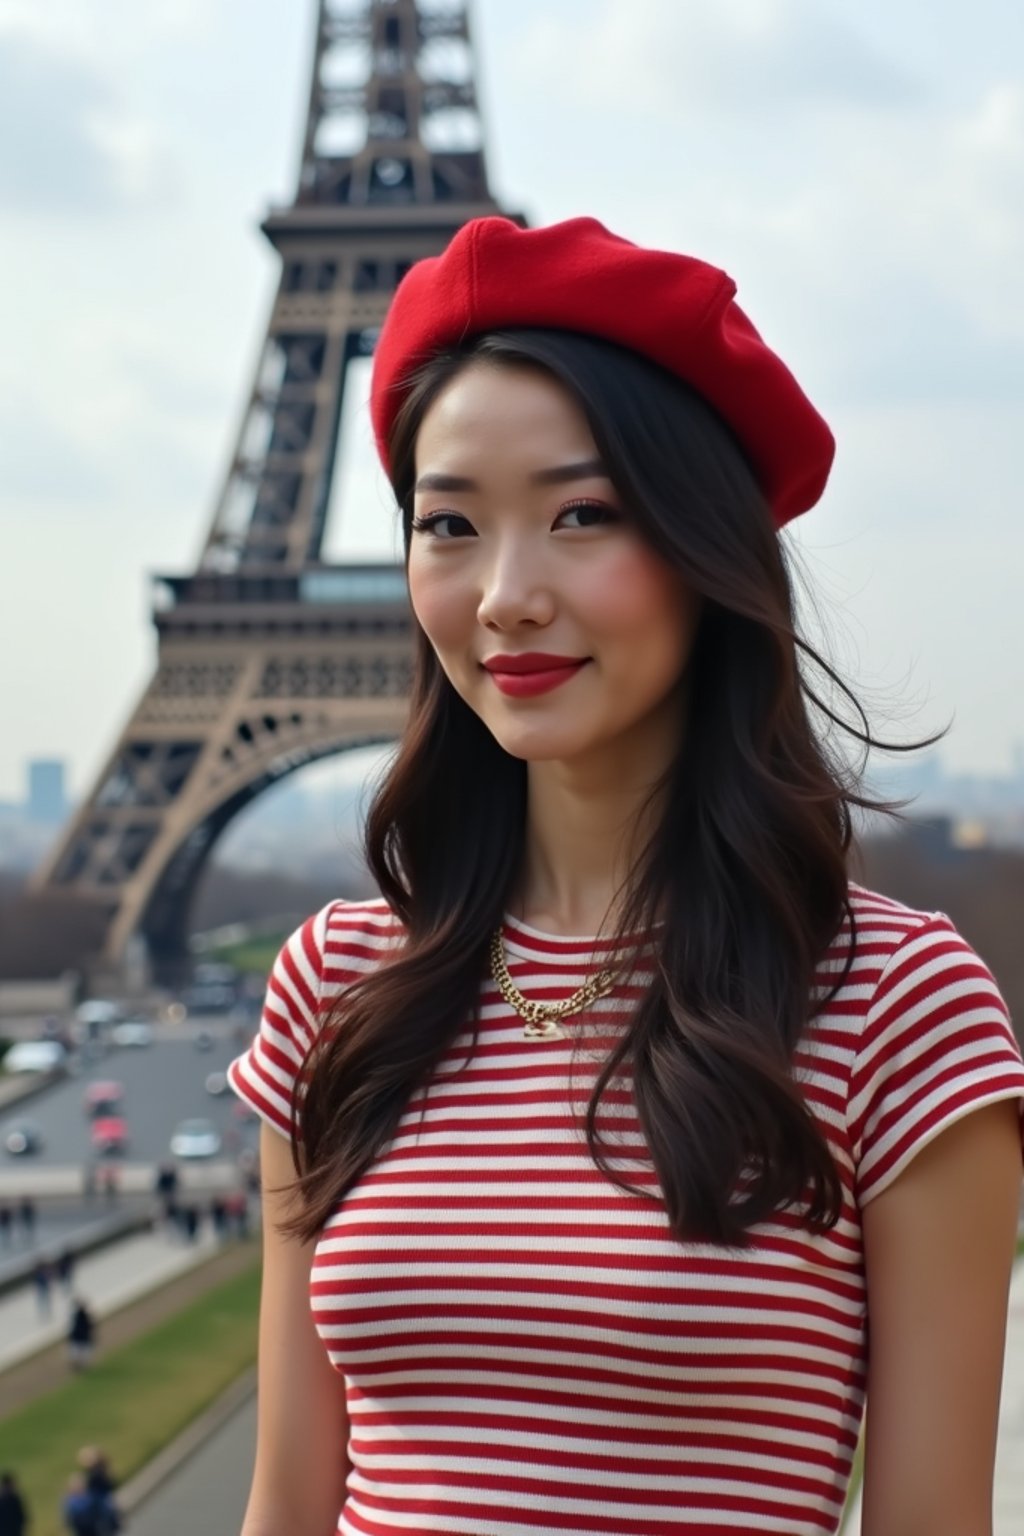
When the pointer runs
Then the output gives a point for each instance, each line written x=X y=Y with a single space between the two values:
x=578 y=276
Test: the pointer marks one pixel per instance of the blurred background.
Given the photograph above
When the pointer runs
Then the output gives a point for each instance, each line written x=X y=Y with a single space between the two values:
x=859 y=172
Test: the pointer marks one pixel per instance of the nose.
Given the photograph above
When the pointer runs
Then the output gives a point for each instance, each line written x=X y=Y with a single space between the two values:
x=515 y=590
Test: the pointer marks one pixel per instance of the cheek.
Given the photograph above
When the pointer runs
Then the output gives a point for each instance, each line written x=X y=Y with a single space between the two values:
x=435 y=600
x=633 y=593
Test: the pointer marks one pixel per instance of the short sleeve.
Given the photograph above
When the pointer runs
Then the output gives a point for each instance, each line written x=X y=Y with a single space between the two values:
x=937 y=1044
x=266 y=1074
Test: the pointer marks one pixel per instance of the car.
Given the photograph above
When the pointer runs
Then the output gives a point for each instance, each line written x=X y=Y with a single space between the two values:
x=36 y=1056
x=22 y=1137
x=195 y=1138
x=102 y=1096
x=109 y=1134
x=209 y=997
x=94 y=1020
x=132 y=1032
x=98 y=1013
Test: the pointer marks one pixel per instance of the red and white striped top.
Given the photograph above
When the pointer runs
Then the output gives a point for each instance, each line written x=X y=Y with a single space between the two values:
x=528 y=1351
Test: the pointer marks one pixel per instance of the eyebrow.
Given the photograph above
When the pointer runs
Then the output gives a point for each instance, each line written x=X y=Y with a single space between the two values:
x=560 y=474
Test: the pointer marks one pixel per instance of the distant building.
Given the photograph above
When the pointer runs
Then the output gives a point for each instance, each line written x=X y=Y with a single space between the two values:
x=47 y=803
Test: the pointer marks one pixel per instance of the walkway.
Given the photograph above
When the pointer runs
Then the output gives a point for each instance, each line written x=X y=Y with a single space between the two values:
x=106 y=1281
x=209 y=1491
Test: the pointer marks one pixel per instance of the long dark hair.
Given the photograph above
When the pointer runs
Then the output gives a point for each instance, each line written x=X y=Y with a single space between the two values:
x=746 y=873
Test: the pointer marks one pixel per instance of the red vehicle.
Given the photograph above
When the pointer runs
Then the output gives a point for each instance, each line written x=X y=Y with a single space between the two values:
x=102 y=1097
x=109 y=1135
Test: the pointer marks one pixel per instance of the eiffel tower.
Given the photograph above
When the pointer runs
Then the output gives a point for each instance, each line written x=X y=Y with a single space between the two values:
x=269 y=658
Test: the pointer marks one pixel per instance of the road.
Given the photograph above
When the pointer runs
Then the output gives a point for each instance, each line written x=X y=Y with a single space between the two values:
x=163 y=1084
x=209 y=1492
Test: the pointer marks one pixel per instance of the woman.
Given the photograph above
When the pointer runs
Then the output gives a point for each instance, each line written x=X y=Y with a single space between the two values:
x=623 y=1110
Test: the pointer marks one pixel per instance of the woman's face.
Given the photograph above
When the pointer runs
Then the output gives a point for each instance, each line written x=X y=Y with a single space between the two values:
x=522 y=556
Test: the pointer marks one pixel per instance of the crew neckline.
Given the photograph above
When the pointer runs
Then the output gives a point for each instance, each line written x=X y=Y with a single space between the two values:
x=522 y=938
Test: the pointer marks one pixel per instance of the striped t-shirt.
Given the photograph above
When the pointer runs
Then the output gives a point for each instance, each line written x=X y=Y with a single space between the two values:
x=528 y=1351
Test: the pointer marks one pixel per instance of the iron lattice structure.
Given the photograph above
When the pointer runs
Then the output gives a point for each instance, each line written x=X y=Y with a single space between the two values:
x=269 y=658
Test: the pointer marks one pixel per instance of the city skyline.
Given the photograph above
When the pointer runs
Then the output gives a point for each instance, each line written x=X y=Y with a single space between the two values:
x=856 y=178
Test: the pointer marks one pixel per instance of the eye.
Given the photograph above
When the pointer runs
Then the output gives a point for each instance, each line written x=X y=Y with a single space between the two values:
x=590 y=514
x=435 y=522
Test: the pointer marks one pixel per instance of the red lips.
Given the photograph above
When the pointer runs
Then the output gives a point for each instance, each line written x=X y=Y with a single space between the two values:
x=531 y=661
x=532 y=673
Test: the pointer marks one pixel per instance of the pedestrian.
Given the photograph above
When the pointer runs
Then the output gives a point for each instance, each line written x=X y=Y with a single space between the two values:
x=5 y=1226
x=65 y=1268
x=166 y=1188
x=190 y=1217
x=27 y=1217
x=242 y=1214
x=219 y=1216
x=102 y=1487
x=42 y=1280
x=81 y=1335
x=79 y=1508
x=13 y=1510
x=625 y=1112
x=88 y=1511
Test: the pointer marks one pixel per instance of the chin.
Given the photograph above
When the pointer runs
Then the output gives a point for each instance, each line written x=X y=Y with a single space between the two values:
x=541 y=746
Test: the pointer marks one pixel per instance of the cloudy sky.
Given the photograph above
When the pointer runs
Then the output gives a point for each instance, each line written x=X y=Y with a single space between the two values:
x=859 y=171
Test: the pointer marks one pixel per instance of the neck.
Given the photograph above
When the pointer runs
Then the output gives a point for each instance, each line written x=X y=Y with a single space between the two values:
x=584 y=835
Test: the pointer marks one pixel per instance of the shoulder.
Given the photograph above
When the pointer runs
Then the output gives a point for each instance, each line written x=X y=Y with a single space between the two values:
x=343 y=937
x=354 y=937
x=906 y=948
x=882 y=940
x=323 y=955
x=884 y=922
x=934 y=1035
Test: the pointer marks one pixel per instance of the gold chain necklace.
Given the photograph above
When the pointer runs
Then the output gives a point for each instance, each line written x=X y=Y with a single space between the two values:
x=542 y=1019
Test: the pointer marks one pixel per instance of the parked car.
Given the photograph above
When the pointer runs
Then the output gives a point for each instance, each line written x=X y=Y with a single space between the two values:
x=36 y=1056
x=208 y=997
x=195 y=1138
x=94 y=1020
x=22 y=1137
x=133 y=1032
x=102 y=1097
x=97 y=1013
x=109 y=1134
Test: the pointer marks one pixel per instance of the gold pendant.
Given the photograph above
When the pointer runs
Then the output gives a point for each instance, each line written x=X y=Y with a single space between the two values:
x=547 y=1029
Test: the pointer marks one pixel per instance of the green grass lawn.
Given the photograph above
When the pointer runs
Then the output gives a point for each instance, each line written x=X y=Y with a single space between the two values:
x=255 y=955
x=134 y=1400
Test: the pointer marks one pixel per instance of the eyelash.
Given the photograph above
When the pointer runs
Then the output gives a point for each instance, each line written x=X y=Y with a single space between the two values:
x=424 y=524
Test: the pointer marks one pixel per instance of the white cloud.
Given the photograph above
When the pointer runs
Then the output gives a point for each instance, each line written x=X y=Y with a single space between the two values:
x=686 y=58
x=77 y=147
x=880 y=215
x=102 y=33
